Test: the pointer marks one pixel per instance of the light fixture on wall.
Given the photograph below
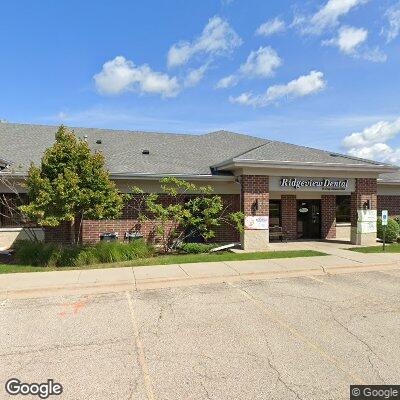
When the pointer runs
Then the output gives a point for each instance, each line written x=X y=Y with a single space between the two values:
x=367 y=205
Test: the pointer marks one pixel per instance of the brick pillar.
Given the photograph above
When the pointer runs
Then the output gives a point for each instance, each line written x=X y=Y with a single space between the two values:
x=289 y=215
x=328 y=216
x=255 y=202
x=363 y=204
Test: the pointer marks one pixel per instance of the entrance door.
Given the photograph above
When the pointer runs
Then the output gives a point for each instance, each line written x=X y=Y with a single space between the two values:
x=309 y=219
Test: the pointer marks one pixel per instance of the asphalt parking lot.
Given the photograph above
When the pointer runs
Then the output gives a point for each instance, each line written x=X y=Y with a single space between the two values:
x=293 y=338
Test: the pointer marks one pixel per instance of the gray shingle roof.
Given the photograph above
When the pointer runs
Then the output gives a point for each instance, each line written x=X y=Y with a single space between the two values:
x=279 y=151
x=168 y=153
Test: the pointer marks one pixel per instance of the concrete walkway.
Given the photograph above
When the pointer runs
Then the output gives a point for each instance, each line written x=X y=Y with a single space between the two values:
x=339 y=260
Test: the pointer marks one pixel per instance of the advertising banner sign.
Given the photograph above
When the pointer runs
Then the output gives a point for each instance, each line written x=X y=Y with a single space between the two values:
x=256 y=222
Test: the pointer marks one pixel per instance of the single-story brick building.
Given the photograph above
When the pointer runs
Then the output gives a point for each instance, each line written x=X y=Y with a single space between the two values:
x=308 y=193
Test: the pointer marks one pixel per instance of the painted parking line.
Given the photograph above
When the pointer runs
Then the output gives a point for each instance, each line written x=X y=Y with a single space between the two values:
x=319 y=350
x=140 y=348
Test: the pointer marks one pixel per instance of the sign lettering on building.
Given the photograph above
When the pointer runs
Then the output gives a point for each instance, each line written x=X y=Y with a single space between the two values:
x=314 y=183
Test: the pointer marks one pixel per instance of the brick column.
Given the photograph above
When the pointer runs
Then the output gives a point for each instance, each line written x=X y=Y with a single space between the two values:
x=365 y=194
x=255 y=202
x=289 y=215
x=328 y=216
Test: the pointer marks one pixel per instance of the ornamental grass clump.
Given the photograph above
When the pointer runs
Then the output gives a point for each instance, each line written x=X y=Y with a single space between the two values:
x=51 y=255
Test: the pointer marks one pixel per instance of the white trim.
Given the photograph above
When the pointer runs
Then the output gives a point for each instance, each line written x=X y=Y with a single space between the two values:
x=380 y=168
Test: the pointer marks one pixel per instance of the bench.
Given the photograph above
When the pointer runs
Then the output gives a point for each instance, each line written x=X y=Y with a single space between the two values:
x=276 y=232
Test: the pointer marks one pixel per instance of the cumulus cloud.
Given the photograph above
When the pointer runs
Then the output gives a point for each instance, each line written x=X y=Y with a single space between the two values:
x=270 y=27
x=303 y=86
x=121 y=75
x=326 y=17
x=371 y=142
x=392 y=15
x=217 y=38
x=261 y=63
x=348 y=39
x=351 y=41
x=195 y=75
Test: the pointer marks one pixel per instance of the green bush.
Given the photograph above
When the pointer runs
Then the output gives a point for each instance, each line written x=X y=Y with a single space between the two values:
x=197 y=248
x=51 y=255
x=392 y=230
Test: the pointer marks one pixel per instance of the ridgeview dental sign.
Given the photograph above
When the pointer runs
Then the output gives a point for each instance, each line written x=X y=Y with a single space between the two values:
x=314 y=183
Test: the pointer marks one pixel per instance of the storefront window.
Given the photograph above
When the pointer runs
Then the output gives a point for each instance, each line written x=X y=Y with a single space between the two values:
x=343 y=208
x=275 y=213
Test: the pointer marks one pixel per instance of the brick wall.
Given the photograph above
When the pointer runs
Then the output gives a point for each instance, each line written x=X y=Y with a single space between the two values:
x=255 y=194
x=289 y=215
x=59 y=234
x=328 y=216
x=390 y=203
x=128 y=222
x=366 y=190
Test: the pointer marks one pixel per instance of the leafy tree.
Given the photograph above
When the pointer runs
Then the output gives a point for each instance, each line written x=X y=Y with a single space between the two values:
x=187 y=211
x=71 y=184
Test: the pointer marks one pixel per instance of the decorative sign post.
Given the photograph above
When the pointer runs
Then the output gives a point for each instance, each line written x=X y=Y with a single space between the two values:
x=385 y=217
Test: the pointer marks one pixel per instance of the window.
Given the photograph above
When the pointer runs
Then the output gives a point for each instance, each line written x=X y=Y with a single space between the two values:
x=343 y=208
x=275 y=213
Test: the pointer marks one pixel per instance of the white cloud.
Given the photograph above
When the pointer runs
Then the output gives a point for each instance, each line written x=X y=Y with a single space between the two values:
x=348 y=39
x=261 y=63
x=270 y=27
x=303 y=86
x=195 y=75
x=120 y=75
x=371 y=142
x=228 y=81
x=393 y=17
x=327 y=16
x=374 y=55
x=217 y=38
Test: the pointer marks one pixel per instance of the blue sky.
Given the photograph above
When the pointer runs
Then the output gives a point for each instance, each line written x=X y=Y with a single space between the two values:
x=321 y=73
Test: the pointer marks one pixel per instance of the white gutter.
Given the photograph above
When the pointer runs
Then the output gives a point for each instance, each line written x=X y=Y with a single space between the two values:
x=380 y=168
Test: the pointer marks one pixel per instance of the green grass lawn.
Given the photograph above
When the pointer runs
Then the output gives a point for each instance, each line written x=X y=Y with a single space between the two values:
x=174 y=259
x=390 y=248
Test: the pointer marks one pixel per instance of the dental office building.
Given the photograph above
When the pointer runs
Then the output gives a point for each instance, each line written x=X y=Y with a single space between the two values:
x=307 y=193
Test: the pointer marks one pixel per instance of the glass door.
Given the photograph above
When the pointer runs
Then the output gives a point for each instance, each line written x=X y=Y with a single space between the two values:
x=309 y=219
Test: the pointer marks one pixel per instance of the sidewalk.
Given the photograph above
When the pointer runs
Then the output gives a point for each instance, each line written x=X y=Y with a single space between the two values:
x=137 y=278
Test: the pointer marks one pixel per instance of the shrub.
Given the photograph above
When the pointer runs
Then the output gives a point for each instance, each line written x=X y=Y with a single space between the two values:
x=392 y=230
x=51 y=255
x=196 y=248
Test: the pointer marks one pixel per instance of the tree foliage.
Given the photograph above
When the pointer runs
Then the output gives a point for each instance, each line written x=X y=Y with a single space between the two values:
x=71 y=184
x=185 y=211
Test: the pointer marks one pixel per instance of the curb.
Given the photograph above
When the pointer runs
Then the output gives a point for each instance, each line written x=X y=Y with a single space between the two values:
x=154 y=283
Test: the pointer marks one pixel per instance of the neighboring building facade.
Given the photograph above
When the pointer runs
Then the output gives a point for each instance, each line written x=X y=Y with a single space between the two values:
x=308 y=193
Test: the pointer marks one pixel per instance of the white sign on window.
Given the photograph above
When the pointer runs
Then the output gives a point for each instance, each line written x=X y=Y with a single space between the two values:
x=256 y=222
